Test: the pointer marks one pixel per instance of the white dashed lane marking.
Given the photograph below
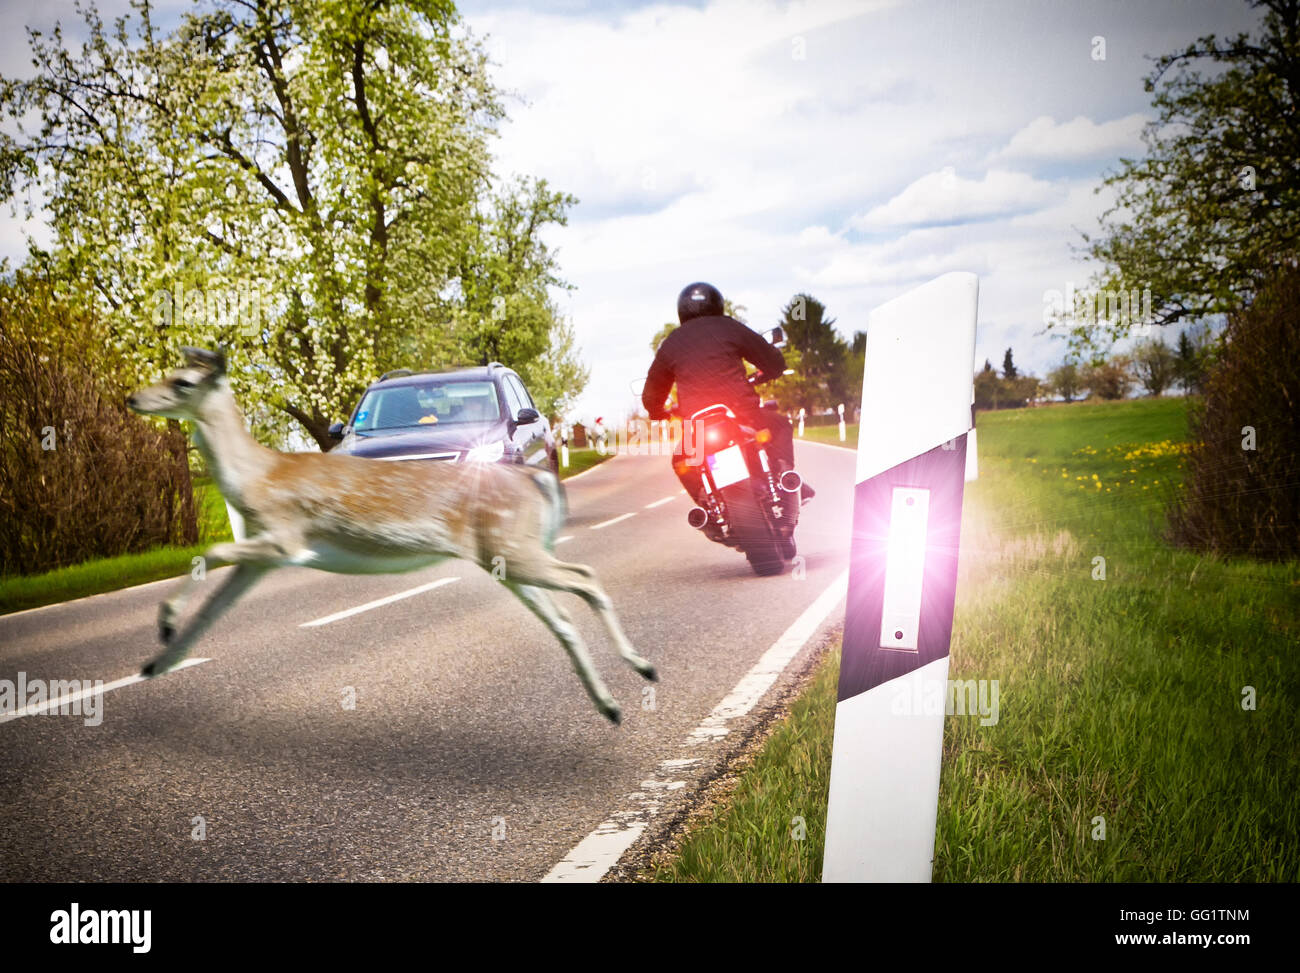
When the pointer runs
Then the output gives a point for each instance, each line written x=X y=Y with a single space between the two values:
x=378 y=603
x=612 y=520
x=67 y=699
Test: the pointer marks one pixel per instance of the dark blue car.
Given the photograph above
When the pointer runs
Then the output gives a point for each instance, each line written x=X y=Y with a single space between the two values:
x=467 y=415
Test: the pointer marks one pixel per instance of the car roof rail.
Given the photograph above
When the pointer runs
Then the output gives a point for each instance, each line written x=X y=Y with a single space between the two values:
x=395 y=373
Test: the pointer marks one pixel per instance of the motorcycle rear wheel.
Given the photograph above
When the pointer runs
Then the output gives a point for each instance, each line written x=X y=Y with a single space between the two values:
x=761 y=546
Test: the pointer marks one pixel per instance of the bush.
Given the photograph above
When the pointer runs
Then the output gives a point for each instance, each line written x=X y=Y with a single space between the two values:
x=1238 y=500
x=80 y=476
x=1066 y=381
x=1109 y=379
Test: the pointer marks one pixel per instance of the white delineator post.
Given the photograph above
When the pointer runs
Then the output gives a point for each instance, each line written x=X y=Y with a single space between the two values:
x=843 y=435
x=972 y=450
x=911 y=467
x=801 y=414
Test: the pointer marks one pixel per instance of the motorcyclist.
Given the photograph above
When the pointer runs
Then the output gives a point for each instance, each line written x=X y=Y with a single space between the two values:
x=705 y=357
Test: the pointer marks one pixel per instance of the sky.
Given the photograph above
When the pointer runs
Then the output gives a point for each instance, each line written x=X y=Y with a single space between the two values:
x=849 y=150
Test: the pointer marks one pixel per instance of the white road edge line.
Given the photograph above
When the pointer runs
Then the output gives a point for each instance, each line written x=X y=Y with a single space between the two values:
x=101 y=594
x=613 y=520
x=578 y=476
x=813 y=442
x=69 y=698
x=566 y=537
x=379 y=603
x=593 y=857
x=658 y=503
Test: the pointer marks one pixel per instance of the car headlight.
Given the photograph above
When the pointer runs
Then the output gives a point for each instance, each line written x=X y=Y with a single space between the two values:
x=486 y=453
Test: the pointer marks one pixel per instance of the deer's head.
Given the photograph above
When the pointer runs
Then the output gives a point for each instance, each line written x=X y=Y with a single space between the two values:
x=180 y=395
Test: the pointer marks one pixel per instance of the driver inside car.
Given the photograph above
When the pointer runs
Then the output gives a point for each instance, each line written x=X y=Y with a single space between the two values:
x=706 y=358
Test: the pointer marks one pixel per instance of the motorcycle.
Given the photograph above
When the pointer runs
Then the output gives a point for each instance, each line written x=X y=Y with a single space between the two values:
x=745 y=502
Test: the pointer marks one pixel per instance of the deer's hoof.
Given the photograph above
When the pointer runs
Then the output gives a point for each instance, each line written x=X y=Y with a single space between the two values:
x=612 y=712
x=650 y=672
x=166 y=632
x=156 y=667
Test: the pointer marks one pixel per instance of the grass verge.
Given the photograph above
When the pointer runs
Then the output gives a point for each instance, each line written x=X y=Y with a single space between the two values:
x=581 y=460
x=829 y=434
x=1149 y=703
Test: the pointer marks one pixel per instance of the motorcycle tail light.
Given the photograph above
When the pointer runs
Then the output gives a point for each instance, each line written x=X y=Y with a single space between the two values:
x=763 y=436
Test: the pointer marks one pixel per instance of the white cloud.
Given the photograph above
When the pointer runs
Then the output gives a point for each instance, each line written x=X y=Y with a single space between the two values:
x=1078 y=139
x=945 y=197
x=735 y=140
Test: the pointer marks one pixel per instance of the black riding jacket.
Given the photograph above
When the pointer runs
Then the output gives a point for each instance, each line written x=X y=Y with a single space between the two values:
x=704 y=357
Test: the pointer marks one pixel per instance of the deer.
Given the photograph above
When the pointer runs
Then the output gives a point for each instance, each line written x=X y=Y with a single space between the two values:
x=353 y=515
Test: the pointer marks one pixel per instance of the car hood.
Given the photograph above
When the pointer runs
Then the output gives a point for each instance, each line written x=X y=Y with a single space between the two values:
x=402 y=442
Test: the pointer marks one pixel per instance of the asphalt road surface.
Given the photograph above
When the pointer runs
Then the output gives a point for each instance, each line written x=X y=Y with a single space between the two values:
x=470 y=751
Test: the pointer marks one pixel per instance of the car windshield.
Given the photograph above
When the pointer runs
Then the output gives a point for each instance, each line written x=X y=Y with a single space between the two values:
x=426 y=404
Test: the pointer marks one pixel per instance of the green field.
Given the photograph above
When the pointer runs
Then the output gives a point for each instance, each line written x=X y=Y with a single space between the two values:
x=110 y=574
x=1120 y=699
x=829 y=434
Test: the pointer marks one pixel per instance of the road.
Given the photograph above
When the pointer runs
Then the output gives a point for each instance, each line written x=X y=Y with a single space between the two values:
x=470 y=752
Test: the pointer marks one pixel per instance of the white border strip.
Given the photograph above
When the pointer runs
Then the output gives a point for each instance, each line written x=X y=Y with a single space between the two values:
x=593 y=857
x=759 y=679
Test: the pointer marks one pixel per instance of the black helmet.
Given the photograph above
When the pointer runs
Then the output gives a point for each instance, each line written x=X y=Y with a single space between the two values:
x=698 y=300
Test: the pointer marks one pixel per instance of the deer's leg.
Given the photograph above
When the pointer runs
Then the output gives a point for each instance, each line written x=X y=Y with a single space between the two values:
x=259 y=549
x=243 y=578
x=581 y=580
x=170 y=610
x=557 y=620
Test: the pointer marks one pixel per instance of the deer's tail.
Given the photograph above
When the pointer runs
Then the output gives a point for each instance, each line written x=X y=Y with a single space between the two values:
x=557 y=506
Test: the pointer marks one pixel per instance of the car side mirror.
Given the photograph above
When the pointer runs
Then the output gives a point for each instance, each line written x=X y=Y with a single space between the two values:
x=526 y=416
x=336 y=430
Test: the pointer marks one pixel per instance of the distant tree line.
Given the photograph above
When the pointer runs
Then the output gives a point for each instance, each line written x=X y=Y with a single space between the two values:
x=1152 y=366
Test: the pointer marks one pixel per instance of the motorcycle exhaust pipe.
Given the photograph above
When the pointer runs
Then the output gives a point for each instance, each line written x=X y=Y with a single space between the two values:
x=697 y=517
x=791 y=481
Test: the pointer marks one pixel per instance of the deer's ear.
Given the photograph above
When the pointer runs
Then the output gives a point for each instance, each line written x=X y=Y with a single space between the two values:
x=212 y=361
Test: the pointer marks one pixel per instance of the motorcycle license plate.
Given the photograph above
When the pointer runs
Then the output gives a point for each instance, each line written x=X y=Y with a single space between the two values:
x=728 y=467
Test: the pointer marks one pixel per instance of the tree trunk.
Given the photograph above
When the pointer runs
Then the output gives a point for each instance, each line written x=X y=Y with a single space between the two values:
x=317 y=427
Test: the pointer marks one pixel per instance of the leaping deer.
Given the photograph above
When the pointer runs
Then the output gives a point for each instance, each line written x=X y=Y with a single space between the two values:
x=352 y=515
